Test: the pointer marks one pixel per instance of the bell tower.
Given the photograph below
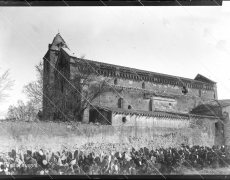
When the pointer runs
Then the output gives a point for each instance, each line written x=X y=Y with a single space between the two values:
x=49 y=63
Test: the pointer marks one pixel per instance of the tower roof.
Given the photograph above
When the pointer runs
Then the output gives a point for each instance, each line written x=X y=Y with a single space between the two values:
x=57 y=43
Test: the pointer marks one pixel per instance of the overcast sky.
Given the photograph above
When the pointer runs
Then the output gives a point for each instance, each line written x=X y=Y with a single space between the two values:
x=181 y=41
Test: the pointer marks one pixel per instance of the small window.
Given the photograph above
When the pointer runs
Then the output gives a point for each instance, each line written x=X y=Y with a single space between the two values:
x=120 y=103
x=150 y=105
x=129 y=107
x=115 y=81
x=124 y=120
x=143 y=85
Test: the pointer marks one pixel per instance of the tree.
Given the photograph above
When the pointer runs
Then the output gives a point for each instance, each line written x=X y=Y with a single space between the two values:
x=33 y=90
x=22 y=111
x=5 y=85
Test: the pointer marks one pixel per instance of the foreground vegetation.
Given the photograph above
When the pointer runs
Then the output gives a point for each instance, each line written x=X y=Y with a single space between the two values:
x=208 y=171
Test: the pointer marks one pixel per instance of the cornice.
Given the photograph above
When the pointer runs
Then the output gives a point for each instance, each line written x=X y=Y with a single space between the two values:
x=120 y=72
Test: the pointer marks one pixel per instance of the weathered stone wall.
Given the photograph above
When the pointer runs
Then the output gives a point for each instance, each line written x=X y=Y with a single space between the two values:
x=135 y=98
x=205 y=132
x=53 y=135
x=158 y=87
x=219 y=132
x=134 y=120
x=200 y=132
x=226 y=122
x=48 y=78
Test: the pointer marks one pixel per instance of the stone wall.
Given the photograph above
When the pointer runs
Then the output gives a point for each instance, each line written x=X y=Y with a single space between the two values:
x=48 y=78
x=53 y=135
x=205 y=129
x=158 y=87
x=135 y=98
x=134 y=120
x=201 y=131
x=226 y=124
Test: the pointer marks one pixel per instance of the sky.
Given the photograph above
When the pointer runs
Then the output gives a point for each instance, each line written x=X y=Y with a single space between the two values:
x=176 y=40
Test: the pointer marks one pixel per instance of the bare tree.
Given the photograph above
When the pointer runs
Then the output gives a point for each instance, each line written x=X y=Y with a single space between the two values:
x=5 y=85
x=33 y=90
x=22 y=111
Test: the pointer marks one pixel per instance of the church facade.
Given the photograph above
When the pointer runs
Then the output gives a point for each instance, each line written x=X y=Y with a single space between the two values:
x=139 y=98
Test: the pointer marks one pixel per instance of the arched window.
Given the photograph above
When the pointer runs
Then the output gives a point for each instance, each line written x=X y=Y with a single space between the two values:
x=129 y=107
x=120 y=103
x=115 y=81
x=143 y=85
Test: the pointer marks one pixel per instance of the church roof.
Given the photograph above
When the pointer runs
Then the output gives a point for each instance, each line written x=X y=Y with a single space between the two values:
x=202 y=78
x=212 y=103
x=132 y=70
x=211 y=107
x=224 y=102
x=163 y=114
x=71 y=54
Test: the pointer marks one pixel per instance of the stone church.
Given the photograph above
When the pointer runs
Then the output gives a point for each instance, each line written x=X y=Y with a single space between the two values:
x=140 y=98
